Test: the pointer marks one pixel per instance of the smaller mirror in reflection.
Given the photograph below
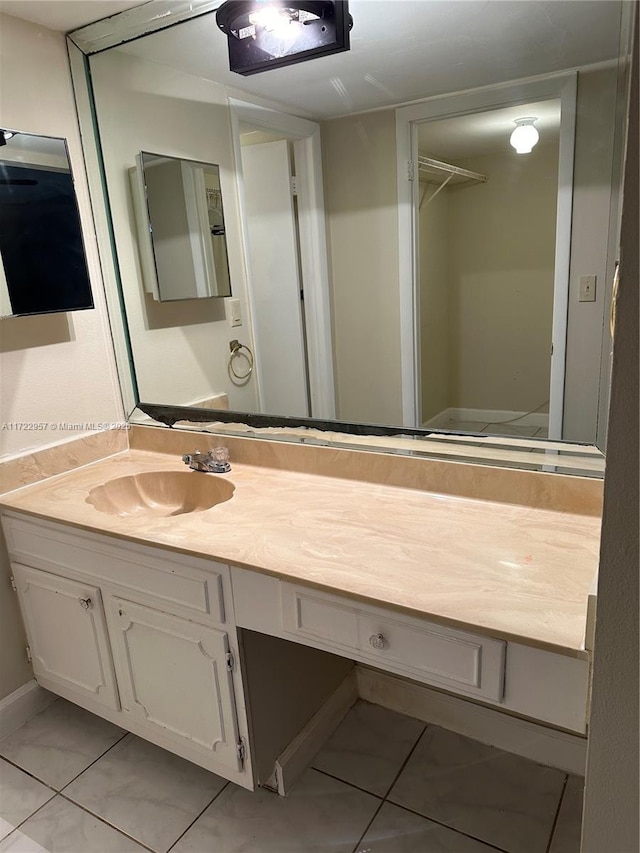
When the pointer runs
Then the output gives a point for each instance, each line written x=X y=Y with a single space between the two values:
x=42 y=261
x=181 y=231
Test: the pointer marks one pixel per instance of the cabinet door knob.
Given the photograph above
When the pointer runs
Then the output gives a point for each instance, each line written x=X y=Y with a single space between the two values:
x=377 y=641
x=85 y=603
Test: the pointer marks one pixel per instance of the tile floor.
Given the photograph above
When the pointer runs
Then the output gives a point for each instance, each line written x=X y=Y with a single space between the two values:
x=514 y=429
x=384 y=783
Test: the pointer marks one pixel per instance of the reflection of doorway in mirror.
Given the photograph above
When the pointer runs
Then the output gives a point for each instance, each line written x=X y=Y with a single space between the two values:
x=273 y=238
x=487 y=242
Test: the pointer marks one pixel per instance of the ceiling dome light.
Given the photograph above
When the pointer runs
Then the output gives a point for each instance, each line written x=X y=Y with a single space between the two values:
x=525 y=136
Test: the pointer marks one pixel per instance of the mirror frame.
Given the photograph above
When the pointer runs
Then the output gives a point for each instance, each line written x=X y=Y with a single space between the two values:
x=141 y=21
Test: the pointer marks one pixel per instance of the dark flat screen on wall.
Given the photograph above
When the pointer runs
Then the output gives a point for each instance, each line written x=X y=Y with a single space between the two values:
x=44 y=267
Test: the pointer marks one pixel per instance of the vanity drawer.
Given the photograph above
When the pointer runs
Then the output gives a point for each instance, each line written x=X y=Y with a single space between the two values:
x=463 y=662
x=311 y=614
x=181 y=584
x=456 y=660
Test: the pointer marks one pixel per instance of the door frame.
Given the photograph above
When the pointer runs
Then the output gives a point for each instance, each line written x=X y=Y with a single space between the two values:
x=314 y=263
x=560 y=86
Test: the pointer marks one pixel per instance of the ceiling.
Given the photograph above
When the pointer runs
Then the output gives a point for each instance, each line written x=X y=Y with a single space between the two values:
x=400 y=51
x=65 y=15
x=408 y=50
x=487 y=132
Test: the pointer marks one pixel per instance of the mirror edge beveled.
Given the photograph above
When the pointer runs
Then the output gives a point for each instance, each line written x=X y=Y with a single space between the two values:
x=101 y=220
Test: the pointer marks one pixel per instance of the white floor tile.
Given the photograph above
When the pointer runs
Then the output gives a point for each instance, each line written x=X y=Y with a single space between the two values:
x=566 y=836
x=320 y=815
x=20 y=797
x=369 y=747
x=492 y=795
x=466 y=426
x=61 y=827
x=510 y=429
x=395 y=830
x=60 y=742
x=146 y=791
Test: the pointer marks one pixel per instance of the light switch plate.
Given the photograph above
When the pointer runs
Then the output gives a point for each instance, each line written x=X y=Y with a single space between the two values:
x=587 y=288
x=234 y=312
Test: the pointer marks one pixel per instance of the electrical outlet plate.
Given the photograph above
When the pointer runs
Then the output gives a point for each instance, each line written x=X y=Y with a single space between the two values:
x=588 y=288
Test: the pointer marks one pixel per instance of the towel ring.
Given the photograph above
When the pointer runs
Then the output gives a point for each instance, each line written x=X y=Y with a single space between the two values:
x=236 y=350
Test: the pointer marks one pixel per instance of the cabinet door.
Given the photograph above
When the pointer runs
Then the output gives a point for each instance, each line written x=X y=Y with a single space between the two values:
x=174 y=675
x=67 y=634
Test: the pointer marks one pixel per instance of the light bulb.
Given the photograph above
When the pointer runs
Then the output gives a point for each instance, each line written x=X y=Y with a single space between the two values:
x=272 y=18
x=525 y=136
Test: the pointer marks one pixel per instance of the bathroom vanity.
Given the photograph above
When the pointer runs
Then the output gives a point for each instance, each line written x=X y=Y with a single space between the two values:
x=194 y=627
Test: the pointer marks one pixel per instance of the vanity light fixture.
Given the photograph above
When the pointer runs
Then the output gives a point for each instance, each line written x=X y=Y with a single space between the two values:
x=264 y=34
x=525 y=136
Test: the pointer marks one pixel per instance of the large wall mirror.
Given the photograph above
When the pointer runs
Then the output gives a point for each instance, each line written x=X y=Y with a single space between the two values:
x=394 y=259
x=43 y=268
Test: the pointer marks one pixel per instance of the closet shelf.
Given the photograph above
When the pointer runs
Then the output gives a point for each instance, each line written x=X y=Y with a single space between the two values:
x=438 y=170
x=443 y=174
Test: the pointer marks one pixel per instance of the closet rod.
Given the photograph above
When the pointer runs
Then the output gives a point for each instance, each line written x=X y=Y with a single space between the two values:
x=428 y=163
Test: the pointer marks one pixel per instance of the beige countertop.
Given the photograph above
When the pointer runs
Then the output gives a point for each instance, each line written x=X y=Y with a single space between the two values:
x=510 y=571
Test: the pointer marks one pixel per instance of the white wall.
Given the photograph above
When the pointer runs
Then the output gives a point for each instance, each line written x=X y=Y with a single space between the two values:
x=56 y=368
x=361 y=198
x=502 y=249
x=181 y=349
x=486 y=284
x=436 y=302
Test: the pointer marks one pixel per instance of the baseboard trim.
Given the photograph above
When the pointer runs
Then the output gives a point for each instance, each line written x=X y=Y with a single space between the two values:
x=23 y=704
x=545 y=745
x=295 y=759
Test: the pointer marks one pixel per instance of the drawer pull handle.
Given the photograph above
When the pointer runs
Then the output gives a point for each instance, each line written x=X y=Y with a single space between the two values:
x=85 y=603
x=377 y=641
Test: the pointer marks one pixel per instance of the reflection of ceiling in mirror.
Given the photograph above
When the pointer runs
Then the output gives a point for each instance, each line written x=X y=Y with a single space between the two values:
x=66 y=15
x=33 y=150
x=486 y=132
x=406 y=50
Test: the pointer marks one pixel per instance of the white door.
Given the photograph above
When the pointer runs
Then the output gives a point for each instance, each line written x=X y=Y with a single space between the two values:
x=174 y=676
x=67 y=634
x=275 y=279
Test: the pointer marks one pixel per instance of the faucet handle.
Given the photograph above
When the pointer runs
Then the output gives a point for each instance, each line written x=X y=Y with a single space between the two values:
x=220 y=459
x=221 y=455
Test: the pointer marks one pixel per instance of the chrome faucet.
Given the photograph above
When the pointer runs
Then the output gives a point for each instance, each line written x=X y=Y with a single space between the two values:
x=214 y=461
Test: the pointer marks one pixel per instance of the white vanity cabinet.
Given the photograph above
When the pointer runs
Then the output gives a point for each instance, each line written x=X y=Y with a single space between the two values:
x=233 y=669
x=176 y=676
x=515 y=678
x=68 y=642
x=140 y=636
